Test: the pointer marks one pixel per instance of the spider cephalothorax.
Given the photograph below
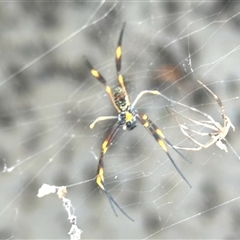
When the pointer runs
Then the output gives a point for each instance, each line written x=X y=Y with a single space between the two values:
x=120 y=99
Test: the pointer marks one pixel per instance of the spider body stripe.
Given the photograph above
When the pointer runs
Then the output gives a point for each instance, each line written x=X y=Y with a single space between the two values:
x=127 y=118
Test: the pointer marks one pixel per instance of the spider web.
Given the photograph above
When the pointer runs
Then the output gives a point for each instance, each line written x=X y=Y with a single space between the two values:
x=48 y=99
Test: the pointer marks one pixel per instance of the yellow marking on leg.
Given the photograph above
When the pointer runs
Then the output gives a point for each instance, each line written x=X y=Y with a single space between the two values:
x=162 y=145
x=100 y=179
x=95 y=73
x=104 y=146
x=120 y=79
x=118 y=52
x=101 y=173
x=146 y=124
x=108 y=89
x=159 y=132
x=144 y=116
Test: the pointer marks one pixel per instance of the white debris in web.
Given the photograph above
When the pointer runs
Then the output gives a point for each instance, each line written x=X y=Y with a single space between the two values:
x=46 y=189
x=75 y=232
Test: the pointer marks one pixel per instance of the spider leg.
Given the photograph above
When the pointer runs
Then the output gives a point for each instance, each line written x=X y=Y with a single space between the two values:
x=215 y=126
x=226 y=120
x=113 y=202
x=102 y=118
x=101 y=79
x=118 y=51
x=211 y=120
x=220 y=131
x=216 y=137
x=185 y=129
x=229 y=123
x=200 y=145
x=118 y=59
x=160 y=138
x=155 y=92
x=100 y=171
x=218 y=100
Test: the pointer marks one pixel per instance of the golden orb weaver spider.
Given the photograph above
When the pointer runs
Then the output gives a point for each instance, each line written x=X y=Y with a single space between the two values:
x=126 y=119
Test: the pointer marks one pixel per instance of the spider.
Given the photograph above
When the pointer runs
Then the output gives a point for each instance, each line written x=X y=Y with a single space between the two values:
x=127 y=117
x=219 y=132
